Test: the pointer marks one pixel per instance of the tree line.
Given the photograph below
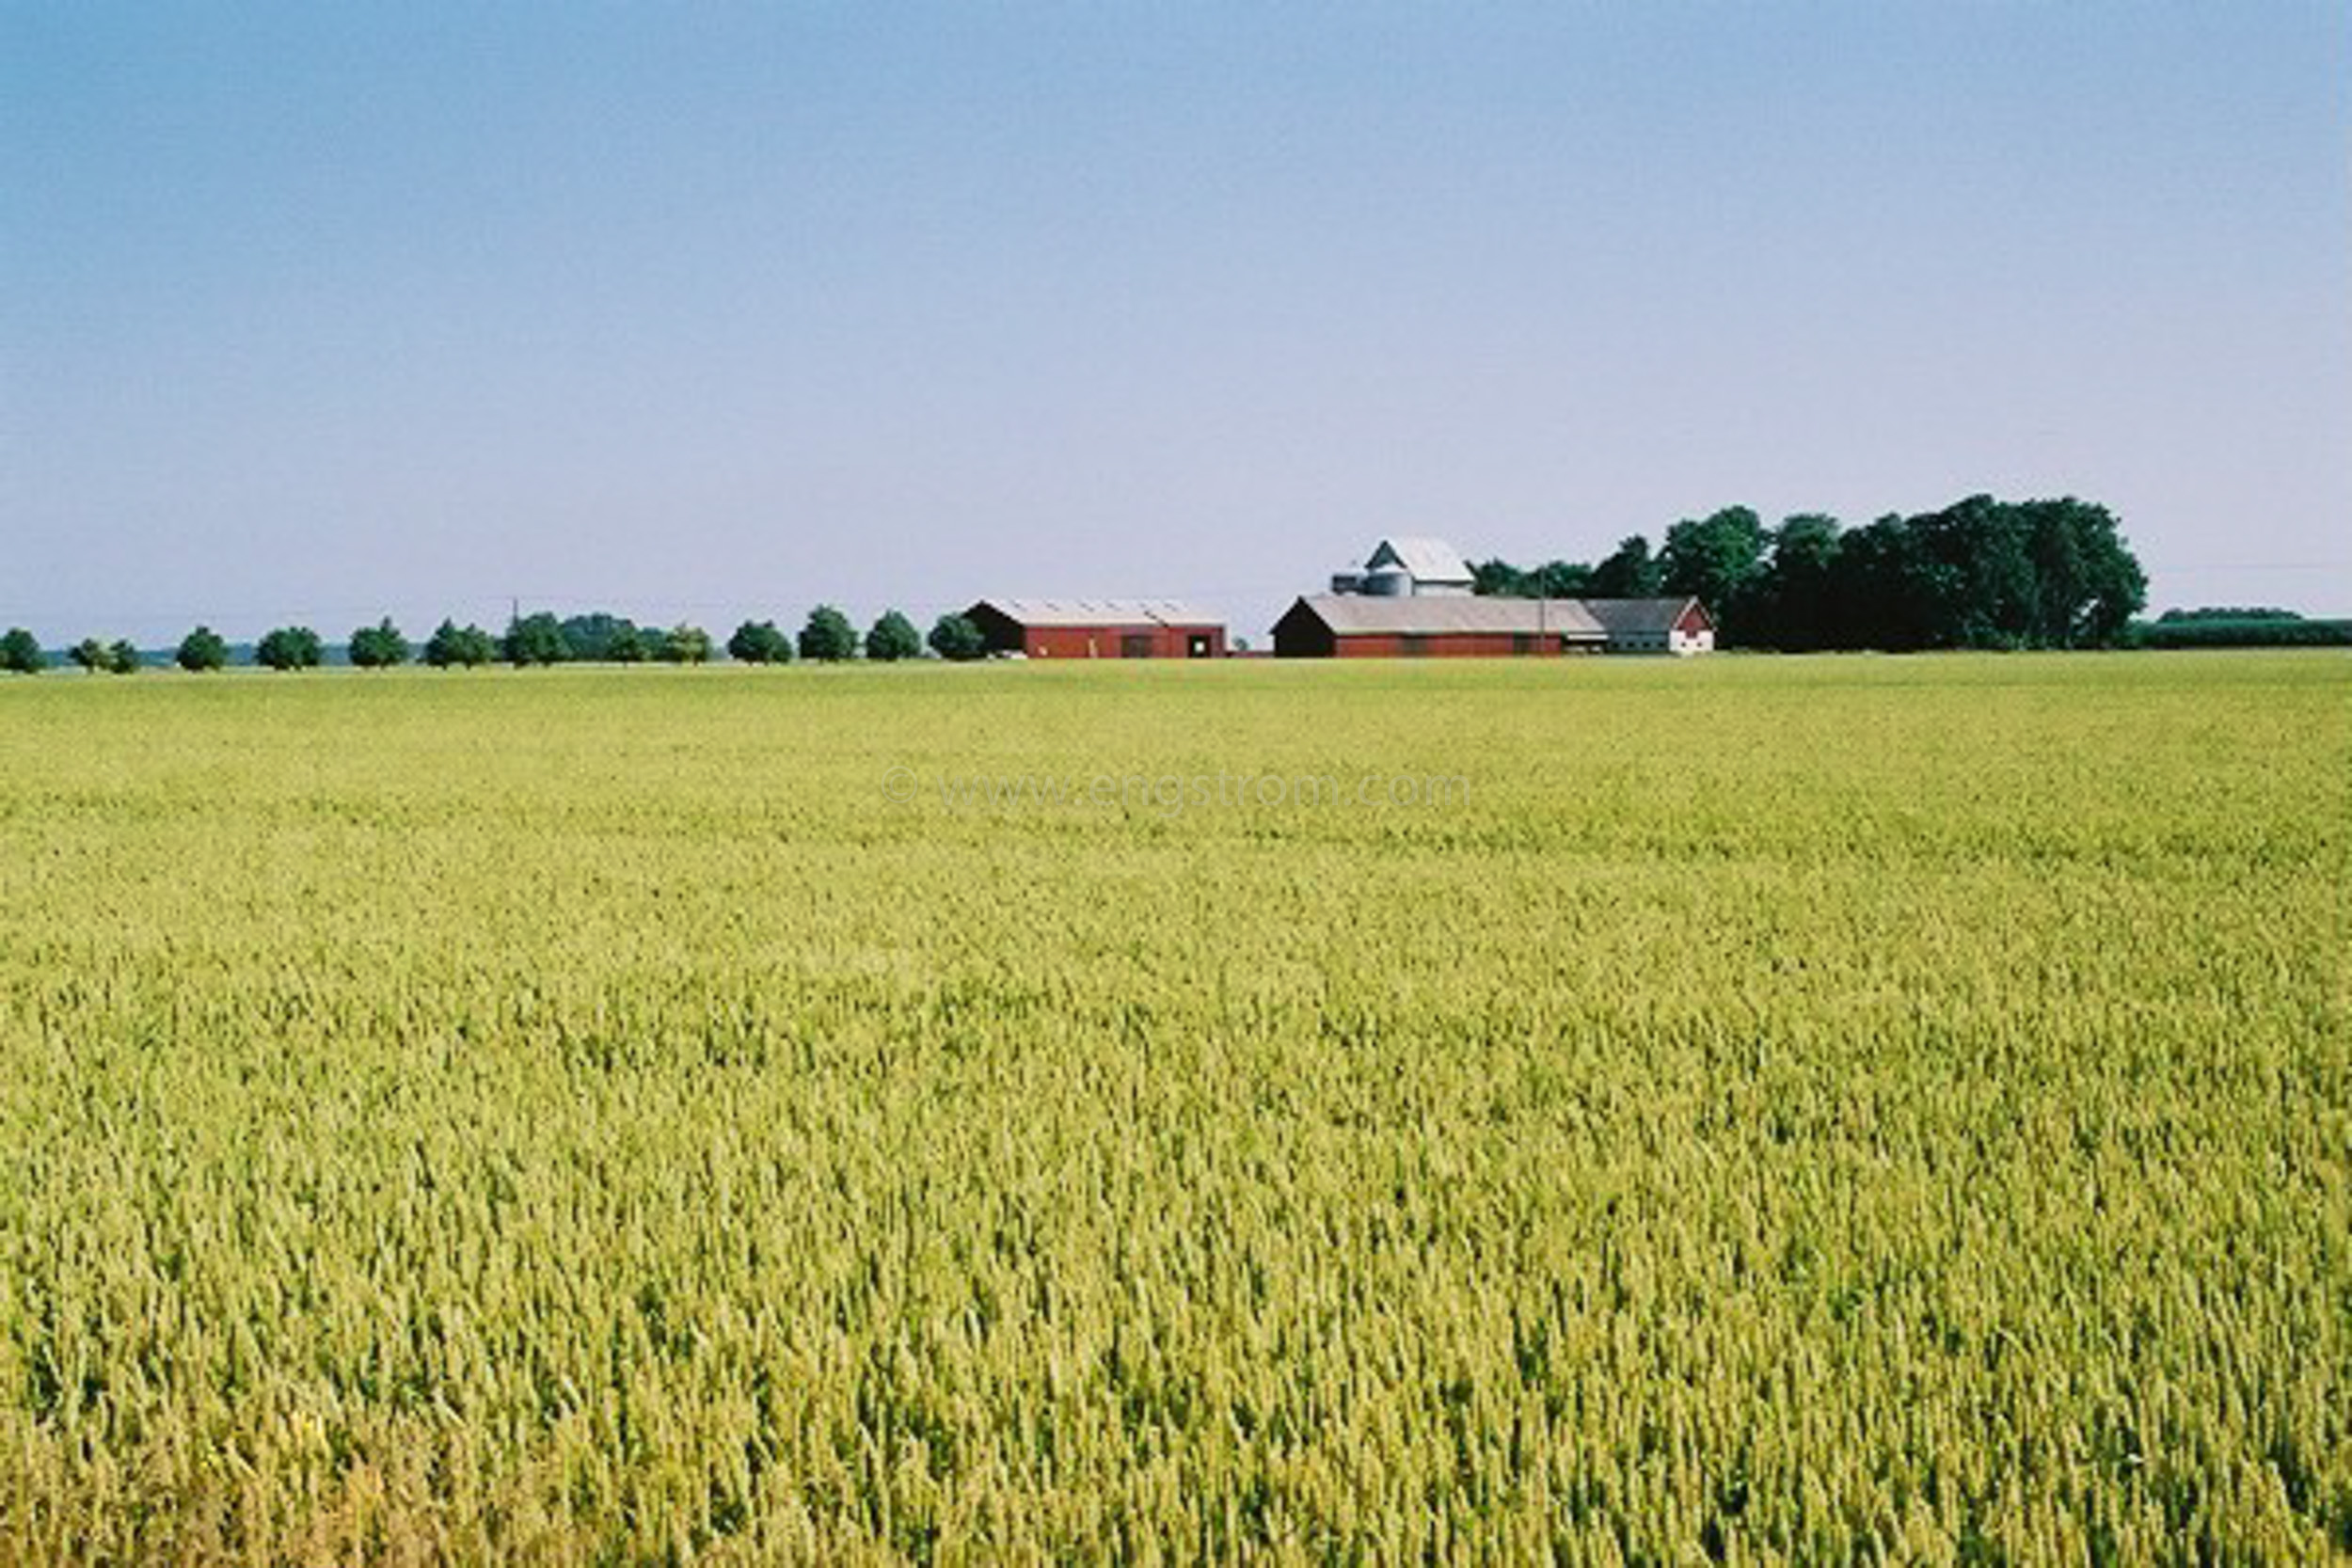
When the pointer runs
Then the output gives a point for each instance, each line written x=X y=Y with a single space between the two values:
x=827 y=636
x=1979 y=574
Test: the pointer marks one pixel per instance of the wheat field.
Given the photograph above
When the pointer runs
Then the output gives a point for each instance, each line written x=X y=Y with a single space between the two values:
x=1751 y=1109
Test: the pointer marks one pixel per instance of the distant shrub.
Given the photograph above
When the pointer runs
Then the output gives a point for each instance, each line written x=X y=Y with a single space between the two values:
x=453 y=645
x=21 y=653
x=684 y=644
x=958 y=638
x=201 y=649
x=759 y=642
x=2258 y=632
x=536 y=640
x=379 y=646
x=893 y=638
x=828 y=637
x=289 y=648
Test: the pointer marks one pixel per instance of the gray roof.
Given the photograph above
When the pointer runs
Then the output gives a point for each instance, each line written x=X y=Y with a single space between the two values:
x=1636 y=617
x=1428 y=560
x=1102 y=613
x=1350 y=613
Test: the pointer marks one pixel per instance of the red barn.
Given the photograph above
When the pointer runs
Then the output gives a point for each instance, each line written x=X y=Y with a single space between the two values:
x=1365 y=625
x=1098 y=629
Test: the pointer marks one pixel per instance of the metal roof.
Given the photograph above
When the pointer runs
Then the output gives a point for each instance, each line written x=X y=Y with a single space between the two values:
x=1428 y=560
x=1102 y=613
x=1635 y=617
x=1350 y=614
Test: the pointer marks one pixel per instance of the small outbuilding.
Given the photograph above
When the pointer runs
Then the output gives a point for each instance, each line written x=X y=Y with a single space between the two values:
x=1667 y=625
x=1098 y=629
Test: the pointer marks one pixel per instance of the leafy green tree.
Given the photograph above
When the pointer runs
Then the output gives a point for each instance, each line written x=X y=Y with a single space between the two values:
x=2102 y=585
x=627 y=645
x=288 y=648
x=1793 y=607
x=1719 y=560
x=828 y=637
x=958 y=638
x=1498 y=579
x=21 y=653
x=1561 y=579
x=123 y=658
x=91 y=655
x=379 y=646
x=759 y=642
x=685 y=644
x=453 y=645
x=597 y=637
x=201 y=649
x=536 y=638
x=1627 y=572
x=1553 y=580
x=893 y=638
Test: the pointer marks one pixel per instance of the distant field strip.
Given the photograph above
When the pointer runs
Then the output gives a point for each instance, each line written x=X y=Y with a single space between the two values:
x=1781 y=1109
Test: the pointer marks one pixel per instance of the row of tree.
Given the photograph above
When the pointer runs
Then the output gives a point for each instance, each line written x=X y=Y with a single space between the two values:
x=2236 y=626
x=827 y=636
x=1979 y=573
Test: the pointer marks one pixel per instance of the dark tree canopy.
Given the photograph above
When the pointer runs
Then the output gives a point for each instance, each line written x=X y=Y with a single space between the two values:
x=379 y=646
x=1979 y=573
x=1627 y=572
x=958 y=638
x=288 y=648
x=600 y=636
x=828 y=637
x=1720 y=561
x=122 y=658
x=893 y=638
x=453 y=645
x=536 y=638
x=1553 y=580
x=21 y=653
x=684 y=644
x=201 y=649
x=759 y=642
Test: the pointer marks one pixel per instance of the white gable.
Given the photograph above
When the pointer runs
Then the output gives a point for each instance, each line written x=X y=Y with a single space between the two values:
x=1427 y=560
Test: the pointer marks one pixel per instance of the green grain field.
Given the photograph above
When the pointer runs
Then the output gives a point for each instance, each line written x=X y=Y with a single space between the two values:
x=1751 y=1109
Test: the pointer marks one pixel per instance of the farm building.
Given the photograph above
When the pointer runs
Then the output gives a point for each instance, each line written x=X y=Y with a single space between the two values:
x=1367 y=626
x=1098 y=629
x=1670 y=626
x=1407 y=568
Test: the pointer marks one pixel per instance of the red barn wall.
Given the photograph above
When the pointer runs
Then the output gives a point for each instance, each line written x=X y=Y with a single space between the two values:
x=1459 y=645
x=1111 y=641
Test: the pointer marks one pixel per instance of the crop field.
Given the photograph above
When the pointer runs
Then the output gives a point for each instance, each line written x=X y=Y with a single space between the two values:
x=1746 y=1108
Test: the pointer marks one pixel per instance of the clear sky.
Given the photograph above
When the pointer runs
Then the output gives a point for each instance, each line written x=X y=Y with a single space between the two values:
x=320 y=311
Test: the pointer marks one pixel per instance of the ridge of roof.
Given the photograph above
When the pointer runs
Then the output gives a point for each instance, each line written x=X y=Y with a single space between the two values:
x=1438 y=613
x=1100 y=612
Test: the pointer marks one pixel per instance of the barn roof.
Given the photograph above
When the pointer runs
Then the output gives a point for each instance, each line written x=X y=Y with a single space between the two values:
x=1102 y=612
x=1352 y=614
x=1428 y=560
x=1637 y=617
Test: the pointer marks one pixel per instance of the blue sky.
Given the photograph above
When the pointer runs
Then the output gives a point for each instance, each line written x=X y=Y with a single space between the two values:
x=319 y=312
